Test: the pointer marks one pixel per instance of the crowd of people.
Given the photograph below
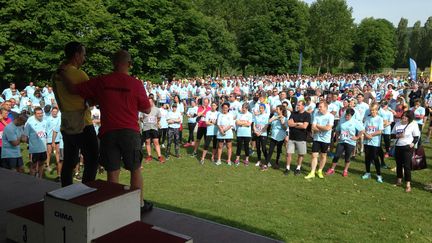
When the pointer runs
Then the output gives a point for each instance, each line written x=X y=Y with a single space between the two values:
x=342 y=116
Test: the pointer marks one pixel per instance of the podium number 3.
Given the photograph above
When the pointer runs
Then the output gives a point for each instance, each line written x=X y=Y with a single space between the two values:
x=64 y=234
x=24 y=233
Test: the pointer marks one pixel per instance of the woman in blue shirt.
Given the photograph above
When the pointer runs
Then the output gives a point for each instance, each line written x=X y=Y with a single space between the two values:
x=387 y=117
x=347 y=133
x=244 y=133
x=225 y=124
x=210 y=120
x=279 y=125
x=374 y=126
x=260 y=124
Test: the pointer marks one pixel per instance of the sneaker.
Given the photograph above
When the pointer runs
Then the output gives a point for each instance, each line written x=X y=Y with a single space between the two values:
x=161 y=159
x=330 y=172
x=167 y=157
x=263 y=168
x=320 y=174
x=286 y=172
x=310 y=176
x=218 y=162
x=148 y=159
x=258 y=163
x=345 y=173
x=366 y=176
x=297 y=172
x=186 y=145
x=194 y=154
x=379 y=179
x=276 y=166
x=201 y=162
x=236 y=162
x=268 y=164
x=229 y=163
x=384 y=166
x=246 y=162
x=147 y=207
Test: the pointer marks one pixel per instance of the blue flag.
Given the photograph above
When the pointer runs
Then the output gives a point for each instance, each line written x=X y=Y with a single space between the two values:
x=413 y=69
x=300 y=63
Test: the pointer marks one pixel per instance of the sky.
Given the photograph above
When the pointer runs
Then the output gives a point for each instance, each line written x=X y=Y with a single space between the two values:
x=392 y=10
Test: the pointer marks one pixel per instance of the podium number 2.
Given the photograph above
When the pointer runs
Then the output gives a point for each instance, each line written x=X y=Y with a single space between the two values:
x=64 y=234
x=24 y=233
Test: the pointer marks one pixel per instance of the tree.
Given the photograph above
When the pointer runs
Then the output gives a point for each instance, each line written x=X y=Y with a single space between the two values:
x=402 y=41
x=331 y=29
x=415 y=39
x=425 y=52
x=375 y=45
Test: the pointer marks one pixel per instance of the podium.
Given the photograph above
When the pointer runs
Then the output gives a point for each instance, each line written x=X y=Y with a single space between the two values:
x=111 y=213
x=141 y=232
x=26 y=224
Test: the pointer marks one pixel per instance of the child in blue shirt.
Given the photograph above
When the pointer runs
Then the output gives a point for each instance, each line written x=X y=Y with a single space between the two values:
x=11 y=151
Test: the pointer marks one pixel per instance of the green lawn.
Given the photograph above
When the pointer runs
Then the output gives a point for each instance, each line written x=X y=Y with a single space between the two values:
x=290 y=208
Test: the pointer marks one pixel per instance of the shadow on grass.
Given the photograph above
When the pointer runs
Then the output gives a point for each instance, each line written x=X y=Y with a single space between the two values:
x=223 y=221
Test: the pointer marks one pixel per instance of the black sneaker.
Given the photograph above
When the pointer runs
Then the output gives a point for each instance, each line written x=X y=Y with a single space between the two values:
x=286 y=172
x=147 y=207
x=297 y=172
x=57 y=179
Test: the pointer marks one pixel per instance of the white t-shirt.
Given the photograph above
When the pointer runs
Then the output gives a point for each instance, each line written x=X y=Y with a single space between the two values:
x=411 y=131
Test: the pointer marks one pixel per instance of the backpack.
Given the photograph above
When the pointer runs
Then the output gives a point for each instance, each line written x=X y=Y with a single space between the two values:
x=419 y=159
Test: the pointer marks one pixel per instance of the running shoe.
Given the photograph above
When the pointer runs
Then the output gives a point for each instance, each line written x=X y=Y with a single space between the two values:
x=201 y=162
x=345 y=173
x=218 y=162
x=258 y=163
x=286 y=172
x=246 y=162
x=161 y=159
x=236 y=162
x=379 y=179
x=311 y=175
x=263 y=168
x=148 y=159
x=229 y=163
x=330 y=172
x=297 y=172
x=366 y=176
x=186 y=145
x=320 y=174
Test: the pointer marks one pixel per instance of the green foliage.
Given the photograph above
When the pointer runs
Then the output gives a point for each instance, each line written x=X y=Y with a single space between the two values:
x=402 y=43
x=415 y=40
x=425 y=50
x=374 y=46
x=331 y=29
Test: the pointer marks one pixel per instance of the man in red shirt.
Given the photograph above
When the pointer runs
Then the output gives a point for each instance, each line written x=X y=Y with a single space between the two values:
x=120 y=98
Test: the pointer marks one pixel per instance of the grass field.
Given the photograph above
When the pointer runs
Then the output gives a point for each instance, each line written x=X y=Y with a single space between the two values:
x=290 y=208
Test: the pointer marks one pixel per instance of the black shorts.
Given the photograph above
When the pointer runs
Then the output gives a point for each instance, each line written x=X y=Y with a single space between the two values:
x=202 y=131
x=12 y=163
x=209 y=139
x=121 y=145
x=150 y=134
x=224 y=140
x=319 y=147
x=39 y=157
x=51 y=143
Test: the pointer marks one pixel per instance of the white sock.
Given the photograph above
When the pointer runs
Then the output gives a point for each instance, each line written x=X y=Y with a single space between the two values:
x=298 y=167
x=288 y=167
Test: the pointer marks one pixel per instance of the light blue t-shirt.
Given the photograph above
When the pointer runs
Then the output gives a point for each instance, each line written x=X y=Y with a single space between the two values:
x=361 y=109
x=192 y=111
x=225 y=120
x=244 y=131
x=335 y=106
x=348 y=129
x=163 y=119
x=52 y=124
x=35 y=130
x=211 y=116
x=260 y=122
x=7 y=93
x=417 y=113
x=11 y=133
x=174 y=116
x=323 y=120
x=278 y=129
x=373 y=124
x=386 y=116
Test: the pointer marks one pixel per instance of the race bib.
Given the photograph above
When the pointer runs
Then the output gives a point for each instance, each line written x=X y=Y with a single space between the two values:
x=345 y=135
x=399 y=131
x=371 y=129
x=41 y=134
x=259 y=127
x=152 y=119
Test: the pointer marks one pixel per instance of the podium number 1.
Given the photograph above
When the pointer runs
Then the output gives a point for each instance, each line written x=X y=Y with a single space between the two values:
x=24 y=233
x=64 y=234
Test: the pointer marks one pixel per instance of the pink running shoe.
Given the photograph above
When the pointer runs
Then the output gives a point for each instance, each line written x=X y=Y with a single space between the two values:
x=345 y=173
x=330 y=172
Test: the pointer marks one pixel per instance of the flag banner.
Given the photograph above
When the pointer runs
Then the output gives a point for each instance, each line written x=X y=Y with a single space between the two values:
x=430 y=72
x=300 y=63
x=413 y=69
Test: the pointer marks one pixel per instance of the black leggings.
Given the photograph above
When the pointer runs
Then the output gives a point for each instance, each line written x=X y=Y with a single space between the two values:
x=243 y=141
x=273 y=144
x=371 y=155
x=208 y=139
x=403 y=156
x=343 y=147
x=386 y=138
x=191 y=127
x=163 y=135
x=261 y=146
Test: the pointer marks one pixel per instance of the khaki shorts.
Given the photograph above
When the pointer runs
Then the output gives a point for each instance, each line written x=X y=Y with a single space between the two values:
x=300 y=146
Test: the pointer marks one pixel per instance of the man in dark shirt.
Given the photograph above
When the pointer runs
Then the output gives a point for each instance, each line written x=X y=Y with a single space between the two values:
x=414 y=94
x=298 y=123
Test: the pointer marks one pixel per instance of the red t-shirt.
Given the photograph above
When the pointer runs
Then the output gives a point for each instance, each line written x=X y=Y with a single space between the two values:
x=2 y=127
x=202 y=122
x=120 y=98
